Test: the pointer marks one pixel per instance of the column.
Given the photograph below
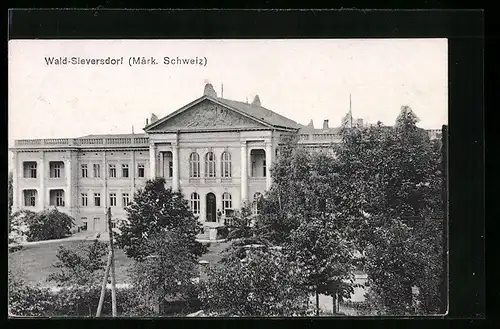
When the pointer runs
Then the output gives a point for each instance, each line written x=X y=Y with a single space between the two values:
x=175 y=169
x=161 y=171
x=15 y=180
x=152 y=160
x=244 y=173
x=269 y=157
x=132 y=176
x=69 y=184
x=41 y=177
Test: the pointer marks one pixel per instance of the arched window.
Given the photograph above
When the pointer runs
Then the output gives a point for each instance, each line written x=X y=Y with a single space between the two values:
x=195 y=203
x=194 y=165
x=226 y=202
x=226 y=164
x=255 y=203
x=210 y=164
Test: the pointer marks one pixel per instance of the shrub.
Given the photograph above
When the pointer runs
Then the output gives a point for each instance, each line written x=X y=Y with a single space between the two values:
x=48 y=225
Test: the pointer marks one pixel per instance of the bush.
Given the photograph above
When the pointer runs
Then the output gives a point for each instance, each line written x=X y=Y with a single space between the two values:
x=48 y=225
x=24 y=300
x=222 y=232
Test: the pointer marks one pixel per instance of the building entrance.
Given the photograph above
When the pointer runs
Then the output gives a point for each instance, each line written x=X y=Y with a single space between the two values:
x=211 y=207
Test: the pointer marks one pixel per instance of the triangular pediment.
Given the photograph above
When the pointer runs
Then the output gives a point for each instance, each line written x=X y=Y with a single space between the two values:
x=205 y=114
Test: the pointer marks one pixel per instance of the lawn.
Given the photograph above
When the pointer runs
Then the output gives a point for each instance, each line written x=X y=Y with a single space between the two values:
x=34 y=263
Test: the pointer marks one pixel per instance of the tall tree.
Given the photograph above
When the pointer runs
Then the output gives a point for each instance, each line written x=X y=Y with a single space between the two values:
x=11 y=193
x=155 y=209
x=299 y=214
x=391 y=183
x=168 y=271
x=265 y=283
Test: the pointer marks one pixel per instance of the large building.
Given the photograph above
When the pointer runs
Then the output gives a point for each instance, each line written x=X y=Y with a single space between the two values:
x=216 y=151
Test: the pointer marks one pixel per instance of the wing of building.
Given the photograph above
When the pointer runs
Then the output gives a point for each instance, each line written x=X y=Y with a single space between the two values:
x=216 y=151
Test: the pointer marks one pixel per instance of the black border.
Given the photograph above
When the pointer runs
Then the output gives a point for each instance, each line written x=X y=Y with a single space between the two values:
x=465 y=31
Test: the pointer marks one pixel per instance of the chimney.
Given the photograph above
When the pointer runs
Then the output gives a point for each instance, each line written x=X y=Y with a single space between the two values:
x=256 y=100
x=147 y=121
x=325 y=124
x=210 y=91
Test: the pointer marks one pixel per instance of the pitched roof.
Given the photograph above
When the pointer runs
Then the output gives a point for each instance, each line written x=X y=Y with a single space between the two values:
x=262 y=113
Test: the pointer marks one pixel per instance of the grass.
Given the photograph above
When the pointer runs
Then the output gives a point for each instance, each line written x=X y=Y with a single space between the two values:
x=34 y=263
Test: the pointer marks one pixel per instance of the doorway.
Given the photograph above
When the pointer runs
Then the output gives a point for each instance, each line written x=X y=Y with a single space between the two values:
x=211 y=207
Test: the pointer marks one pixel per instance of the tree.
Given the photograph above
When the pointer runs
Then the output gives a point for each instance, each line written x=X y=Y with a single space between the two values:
x=11 y=193
x=80 y=275
x=299 y=213
x=325 y=258
x=18 y=225
x=391 y=186
x=168 y=271
x=264 y=284
x=48 y=225
x=24 y=300
x=155 y=209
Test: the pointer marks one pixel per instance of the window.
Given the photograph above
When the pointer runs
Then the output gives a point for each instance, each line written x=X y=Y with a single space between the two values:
x=97 y=170
x=264 y=168
x=97 y=199
x=195 y=203
x=56 y=169
x=84 y=224
x=125 y=199
x=112 y=199
x=29 y=170
x=254 y=168
x=140 y=170
x=85 y=201
x=59 y=198
x=30 y=198
x=194 y=165
x=84 y=171
x=112 y=171
x=210 y=164
x=170 y=168
x=226 y=164
x=113 y=224
x=255 y=204
x=226 y=202
x=125 y=170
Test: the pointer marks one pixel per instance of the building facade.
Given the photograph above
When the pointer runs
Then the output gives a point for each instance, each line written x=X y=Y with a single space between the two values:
x=216 y=151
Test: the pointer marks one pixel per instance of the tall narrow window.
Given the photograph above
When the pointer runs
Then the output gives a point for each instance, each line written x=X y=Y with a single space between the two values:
x=194 y=165
x=30 y=198
x=85 y=201
x=112 y=199
x=85 y=173
x=112 y=171
x=56 y=169
x=97 y=199
x=29 y=170
x=264 y=168
x=226 y=164
x=84 y=224
x=59 y=198
x=170 y=168
x=195 y=203
x=140 y=170
x=125 y=170
x=97 y=170
x=210 y=164
x=125 y=199
x=226 y=202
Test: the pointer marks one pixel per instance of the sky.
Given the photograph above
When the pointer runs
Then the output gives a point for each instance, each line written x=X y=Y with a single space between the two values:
x=300 y=79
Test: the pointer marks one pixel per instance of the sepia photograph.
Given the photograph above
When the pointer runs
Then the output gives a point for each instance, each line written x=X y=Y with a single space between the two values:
x=227 y=178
